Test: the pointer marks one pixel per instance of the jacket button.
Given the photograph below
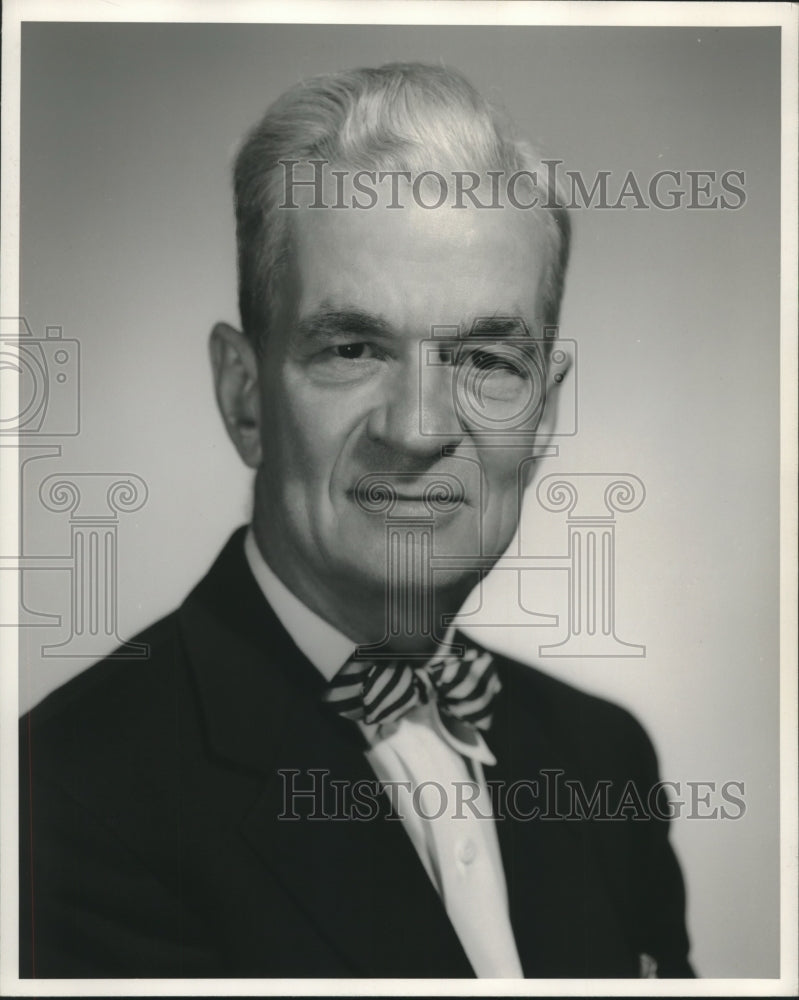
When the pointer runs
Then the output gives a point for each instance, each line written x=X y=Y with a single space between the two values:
x=466 y=851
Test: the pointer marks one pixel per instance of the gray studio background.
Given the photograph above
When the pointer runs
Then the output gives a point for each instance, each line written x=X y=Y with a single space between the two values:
x=127 y=243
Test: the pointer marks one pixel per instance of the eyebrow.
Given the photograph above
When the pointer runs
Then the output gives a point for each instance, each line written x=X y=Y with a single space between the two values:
x=499 y=326
x=328 y=324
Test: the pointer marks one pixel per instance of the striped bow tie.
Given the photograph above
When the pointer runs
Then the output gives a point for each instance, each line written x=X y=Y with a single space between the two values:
x=463 y=688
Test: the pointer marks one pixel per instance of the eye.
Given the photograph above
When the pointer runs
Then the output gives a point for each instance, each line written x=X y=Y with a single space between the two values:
x=351 y=352
x=495 y=374
x=491 y=362
x=347 y=362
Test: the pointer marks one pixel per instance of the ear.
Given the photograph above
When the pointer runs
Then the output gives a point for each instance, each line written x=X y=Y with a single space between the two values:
x=235 y=369
x=555 y=376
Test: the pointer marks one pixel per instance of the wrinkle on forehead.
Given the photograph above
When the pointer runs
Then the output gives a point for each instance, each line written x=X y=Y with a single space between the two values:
x=413 y=268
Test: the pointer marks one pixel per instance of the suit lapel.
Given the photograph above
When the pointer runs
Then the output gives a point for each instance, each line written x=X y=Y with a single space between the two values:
x=359 y=881
x=563 y=918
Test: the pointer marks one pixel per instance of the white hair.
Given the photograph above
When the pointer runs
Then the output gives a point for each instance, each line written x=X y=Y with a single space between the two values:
x=398 y=117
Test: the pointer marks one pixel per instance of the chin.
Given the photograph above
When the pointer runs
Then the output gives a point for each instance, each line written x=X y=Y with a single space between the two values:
x=448 y=588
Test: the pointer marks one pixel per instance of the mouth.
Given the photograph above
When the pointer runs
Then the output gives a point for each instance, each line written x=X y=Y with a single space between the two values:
x=432 y=504
x=377 y=494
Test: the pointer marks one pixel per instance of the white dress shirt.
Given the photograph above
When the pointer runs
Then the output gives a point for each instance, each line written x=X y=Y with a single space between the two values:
x=439 y=793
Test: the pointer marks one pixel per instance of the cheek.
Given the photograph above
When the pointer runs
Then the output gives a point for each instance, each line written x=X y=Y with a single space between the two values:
x=503 y=464
x=503 y=471
x=305 y=433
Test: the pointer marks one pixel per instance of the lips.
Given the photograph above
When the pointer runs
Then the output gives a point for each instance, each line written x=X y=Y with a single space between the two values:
x=421 y=497
x=431 y=505
x=380 y=493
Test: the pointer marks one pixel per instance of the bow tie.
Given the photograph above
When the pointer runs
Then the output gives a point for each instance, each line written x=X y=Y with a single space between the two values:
x=463 y=688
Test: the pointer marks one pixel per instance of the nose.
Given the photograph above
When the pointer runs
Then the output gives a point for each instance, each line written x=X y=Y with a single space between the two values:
x=417 y=415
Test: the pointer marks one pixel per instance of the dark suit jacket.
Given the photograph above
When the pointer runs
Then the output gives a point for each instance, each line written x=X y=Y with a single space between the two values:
x=151 y=841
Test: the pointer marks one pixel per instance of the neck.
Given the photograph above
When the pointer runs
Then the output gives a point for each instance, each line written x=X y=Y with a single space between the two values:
x=406 y=618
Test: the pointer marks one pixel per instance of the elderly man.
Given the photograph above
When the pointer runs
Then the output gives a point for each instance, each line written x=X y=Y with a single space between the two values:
x=314 y=774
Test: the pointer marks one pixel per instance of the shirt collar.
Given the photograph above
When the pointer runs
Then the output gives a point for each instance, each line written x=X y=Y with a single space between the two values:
x=328 y=649
x=320 y=642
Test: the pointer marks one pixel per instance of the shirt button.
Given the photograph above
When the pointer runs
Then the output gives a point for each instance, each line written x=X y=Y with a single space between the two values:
x=466 y=851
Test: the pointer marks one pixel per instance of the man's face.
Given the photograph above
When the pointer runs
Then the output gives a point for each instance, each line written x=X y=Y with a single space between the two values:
x=350 y=386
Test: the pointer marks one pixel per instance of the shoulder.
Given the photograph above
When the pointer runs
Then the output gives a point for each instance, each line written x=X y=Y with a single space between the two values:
x=589 y=728
x=104 y=713
x=115 y=677
x=559 y=699
x=123 y=686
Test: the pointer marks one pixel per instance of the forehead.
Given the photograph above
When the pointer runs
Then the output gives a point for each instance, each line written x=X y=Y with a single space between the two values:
x=415 y=267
